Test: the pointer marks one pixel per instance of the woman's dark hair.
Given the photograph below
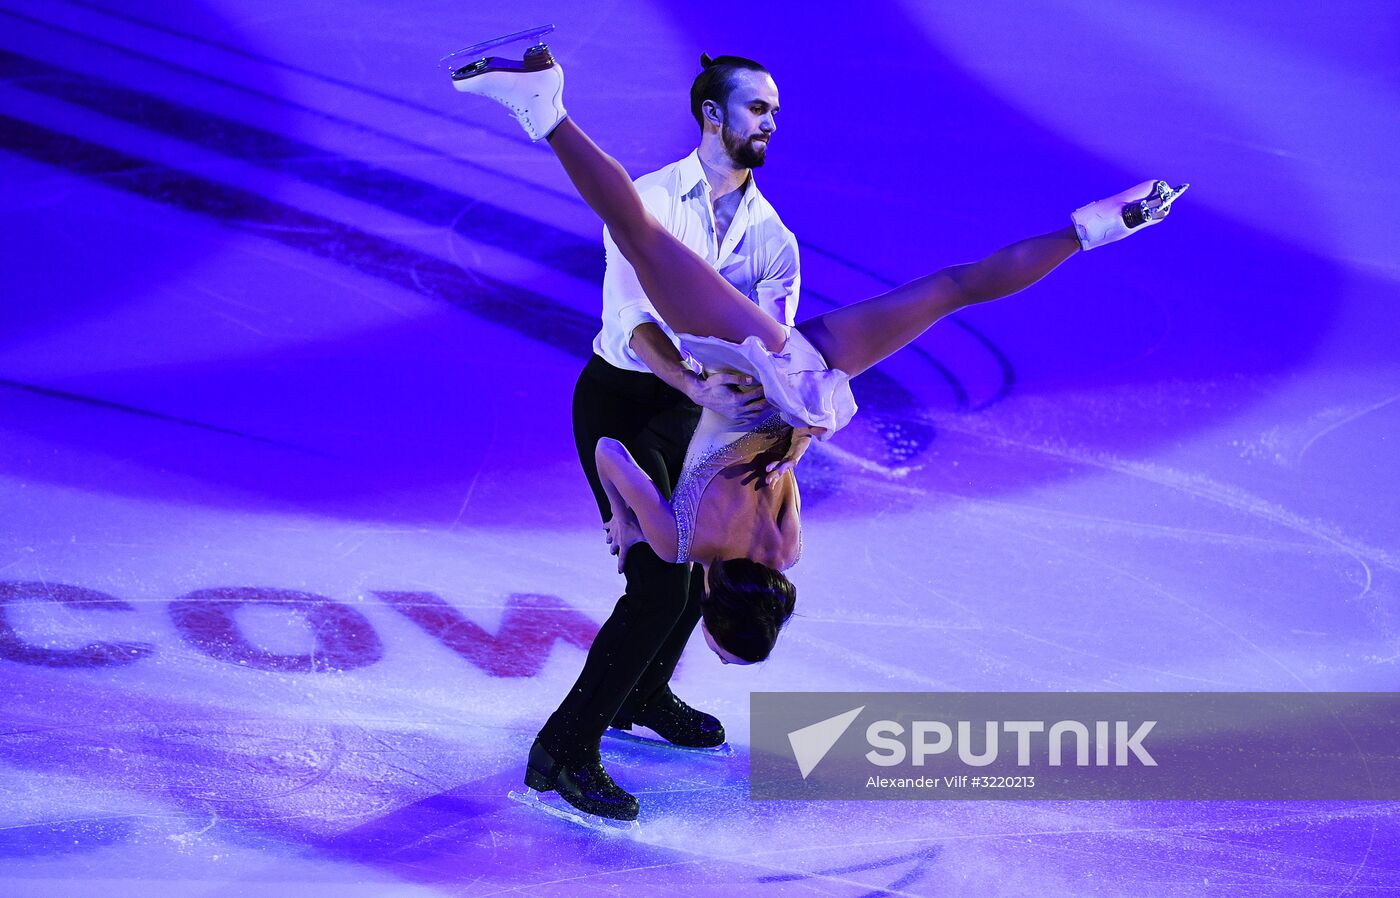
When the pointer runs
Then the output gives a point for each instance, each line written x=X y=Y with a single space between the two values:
x=716 y=82
x=745 y=607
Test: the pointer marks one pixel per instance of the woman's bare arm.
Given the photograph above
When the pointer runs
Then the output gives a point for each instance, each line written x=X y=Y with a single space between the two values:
x=629 y=487
x=798 y=442
x=790 y=525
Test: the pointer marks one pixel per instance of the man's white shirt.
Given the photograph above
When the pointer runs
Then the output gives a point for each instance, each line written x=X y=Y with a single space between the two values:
x=758 y=256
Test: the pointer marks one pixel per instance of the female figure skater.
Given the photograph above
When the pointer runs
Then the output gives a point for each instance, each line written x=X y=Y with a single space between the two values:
x=735 y=507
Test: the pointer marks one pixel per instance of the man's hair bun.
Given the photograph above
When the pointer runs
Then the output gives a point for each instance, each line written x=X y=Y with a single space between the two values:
x=706 y=60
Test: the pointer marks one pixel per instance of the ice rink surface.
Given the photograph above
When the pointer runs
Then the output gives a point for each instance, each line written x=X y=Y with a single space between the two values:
x=296 y=552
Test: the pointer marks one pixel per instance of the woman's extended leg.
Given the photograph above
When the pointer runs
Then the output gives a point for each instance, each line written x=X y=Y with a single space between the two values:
x=691 y=296
x=854 y=337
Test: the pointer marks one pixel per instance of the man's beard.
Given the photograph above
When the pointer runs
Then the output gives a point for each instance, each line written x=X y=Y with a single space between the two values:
x=741 y=149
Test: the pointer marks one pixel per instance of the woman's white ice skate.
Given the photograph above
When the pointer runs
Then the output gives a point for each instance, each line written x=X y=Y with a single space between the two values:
x=531 y=88
x=1118 y=216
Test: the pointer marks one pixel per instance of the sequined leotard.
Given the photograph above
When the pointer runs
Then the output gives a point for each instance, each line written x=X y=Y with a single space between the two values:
x=718 y=443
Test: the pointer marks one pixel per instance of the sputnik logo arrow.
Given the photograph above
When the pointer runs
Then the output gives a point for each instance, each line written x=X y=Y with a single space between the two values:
x=811 y=743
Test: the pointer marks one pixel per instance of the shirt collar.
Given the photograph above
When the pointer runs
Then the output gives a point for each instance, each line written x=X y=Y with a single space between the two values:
x=693 y=176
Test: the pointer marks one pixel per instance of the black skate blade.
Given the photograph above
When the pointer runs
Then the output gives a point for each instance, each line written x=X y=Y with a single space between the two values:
x=720 y=751
x=534 y=800
x=469 y=55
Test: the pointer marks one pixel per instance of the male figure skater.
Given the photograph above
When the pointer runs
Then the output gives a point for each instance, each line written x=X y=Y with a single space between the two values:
x=637 y=388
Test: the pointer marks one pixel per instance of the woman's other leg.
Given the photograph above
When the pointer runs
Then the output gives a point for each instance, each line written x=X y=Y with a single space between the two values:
x=857 y=336
x=690 y=295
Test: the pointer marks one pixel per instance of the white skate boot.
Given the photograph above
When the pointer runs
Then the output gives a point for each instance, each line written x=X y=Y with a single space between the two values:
x=1118 y=216
x=532 y=88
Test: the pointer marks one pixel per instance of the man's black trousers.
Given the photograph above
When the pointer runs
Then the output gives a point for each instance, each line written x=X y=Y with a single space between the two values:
x=636 y=650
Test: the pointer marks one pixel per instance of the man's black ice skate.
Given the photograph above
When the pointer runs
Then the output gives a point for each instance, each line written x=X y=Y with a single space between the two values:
x=583 y=784
x=532 y=88
x=674 y=721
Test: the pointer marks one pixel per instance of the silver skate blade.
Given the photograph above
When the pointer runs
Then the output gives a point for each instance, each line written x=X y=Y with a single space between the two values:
x=468 y=55
x=532 y=799
x=721 y=751
x=1175 y=195
x=1162 y=203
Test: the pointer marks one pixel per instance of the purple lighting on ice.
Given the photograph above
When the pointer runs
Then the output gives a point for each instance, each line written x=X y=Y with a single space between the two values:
x=297 y=557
